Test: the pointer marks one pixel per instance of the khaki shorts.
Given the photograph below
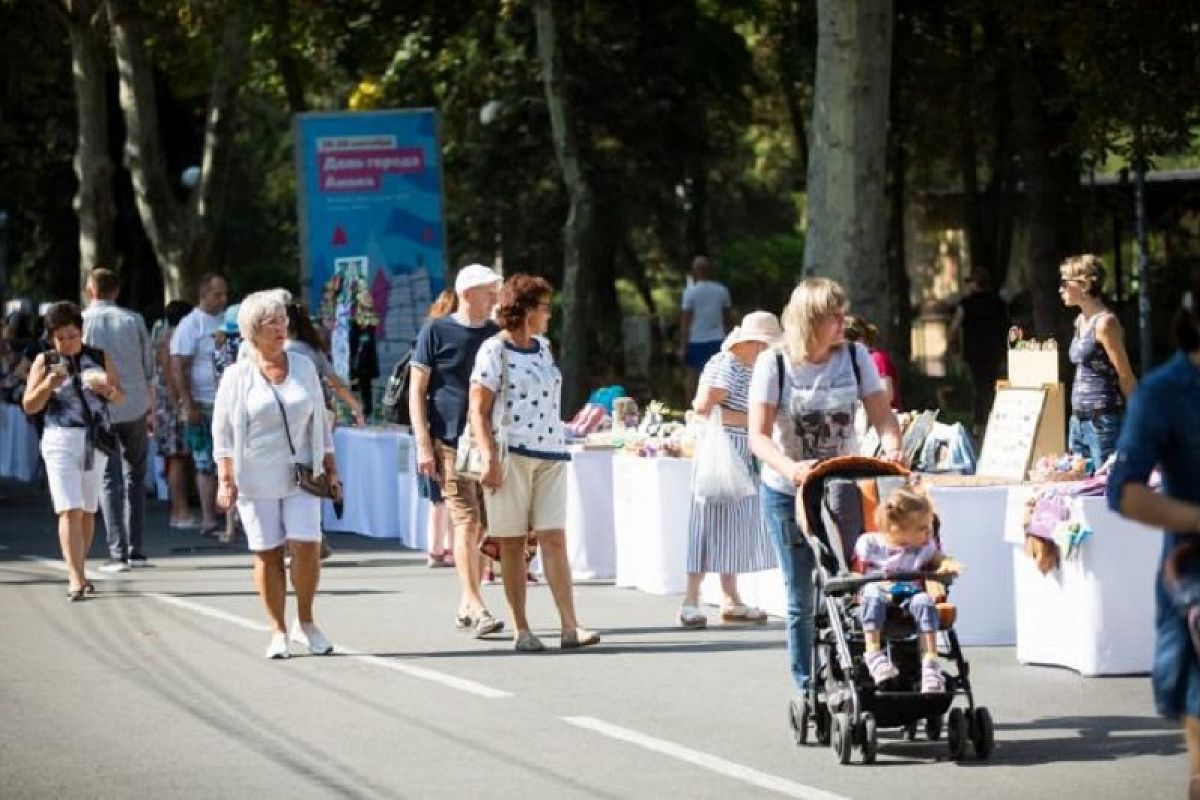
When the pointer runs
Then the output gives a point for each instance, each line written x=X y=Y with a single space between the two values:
x=533 y=497
x=464 y=498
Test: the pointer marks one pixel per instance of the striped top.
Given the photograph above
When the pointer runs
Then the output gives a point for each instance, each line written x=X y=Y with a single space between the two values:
x=1096 y=387
x=726 y=371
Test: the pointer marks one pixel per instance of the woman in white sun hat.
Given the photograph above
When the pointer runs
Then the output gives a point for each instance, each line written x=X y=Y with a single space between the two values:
x=728 y=537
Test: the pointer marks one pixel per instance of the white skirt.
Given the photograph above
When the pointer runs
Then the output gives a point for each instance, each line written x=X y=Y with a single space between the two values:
x=71 y=486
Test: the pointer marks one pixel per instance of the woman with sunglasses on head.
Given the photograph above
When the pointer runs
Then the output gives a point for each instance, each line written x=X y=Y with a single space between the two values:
x=1104 y=381
x=803 y=396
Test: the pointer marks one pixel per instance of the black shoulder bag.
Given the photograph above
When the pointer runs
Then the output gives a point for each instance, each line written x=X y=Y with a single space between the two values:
x=99 y=435
x=306 y=478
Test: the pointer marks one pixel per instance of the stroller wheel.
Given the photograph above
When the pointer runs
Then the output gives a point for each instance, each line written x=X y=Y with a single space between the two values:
x=982 y=734
x=798 y=720
x=958 y=733
x=868 y=738
x=841 y=733
x=933 y=727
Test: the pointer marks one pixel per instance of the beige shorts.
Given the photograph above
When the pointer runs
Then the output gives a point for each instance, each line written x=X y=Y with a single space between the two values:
x=533 y=497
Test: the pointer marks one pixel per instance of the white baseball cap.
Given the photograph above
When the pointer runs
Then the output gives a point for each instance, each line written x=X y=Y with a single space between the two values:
x=474 y=275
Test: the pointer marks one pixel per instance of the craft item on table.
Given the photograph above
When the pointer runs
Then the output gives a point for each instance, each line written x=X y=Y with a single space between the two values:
x=607 y=396
x=1066 y=467
x=590 y=419
x=947 y=449
x=1054 y=529
x=624 y=413
x=1017 y=341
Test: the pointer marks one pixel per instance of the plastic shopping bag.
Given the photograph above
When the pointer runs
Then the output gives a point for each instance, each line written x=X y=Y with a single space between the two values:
x=721 y=473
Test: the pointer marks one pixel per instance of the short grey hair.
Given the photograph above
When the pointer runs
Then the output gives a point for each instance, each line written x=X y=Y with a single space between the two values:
x=257 y=307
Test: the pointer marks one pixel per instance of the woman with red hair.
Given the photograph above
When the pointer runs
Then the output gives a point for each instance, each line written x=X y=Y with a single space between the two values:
x=515 y=397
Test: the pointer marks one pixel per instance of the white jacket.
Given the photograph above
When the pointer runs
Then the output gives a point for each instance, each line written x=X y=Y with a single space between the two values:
x=231 y=419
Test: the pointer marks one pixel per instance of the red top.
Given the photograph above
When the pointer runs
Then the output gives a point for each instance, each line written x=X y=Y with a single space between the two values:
x=887 y=369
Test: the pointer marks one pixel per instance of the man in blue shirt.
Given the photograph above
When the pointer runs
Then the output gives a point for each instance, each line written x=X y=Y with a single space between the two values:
x=1162 y=428
x=437 y=402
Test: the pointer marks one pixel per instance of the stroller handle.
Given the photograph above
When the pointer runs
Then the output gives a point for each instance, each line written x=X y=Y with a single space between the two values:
x=845 y=584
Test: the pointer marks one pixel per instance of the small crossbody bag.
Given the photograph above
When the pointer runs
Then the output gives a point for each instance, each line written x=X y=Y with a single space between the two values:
x=306 y=478
x=468 y=460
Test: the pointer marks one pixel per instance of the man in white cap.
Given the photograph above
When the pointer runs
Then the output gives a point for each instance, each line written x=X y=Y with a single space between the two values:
x=438 y=398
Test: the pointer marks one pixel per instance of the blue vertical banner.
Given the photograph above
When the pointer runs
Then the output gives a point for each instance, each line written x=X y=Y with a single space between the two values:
x=371 y=219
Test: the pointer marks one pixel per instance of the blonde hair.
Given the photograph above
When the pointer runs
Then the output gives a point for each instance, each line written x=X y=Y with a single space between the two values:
x=902 y=505
x=257 y=307
x=812 y=299
x=1086 y=268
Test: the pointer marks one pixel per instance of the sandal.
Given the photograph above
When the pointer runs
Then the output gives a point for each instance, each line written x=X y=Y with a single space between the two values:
x=741 y=612
x=691 y=617
x=580 y=637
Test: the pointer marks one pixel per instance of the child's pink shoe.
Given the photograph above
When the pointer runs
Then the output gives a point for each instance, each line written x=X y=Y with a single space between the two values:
x=932 y=681
x=880 y=666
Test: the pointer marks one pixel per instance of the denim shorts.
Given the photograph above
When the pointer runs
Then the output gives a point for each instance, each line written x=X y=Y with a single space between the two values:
x=1095 y=436
x=698 y=354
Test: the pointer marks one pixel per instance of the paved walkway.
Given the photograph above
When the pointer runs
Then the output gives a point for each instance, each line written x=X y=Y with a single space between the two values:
x=157 y=687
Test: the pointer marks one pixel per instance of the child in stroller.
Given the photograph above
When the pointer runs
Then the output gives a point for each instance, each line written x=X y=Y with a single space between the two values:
x=846 y=701
x=904 y=543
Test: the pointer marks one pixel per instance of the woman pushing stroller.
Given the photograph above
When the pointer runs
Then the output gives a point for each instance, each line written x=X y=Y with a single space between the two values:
x=904 y=543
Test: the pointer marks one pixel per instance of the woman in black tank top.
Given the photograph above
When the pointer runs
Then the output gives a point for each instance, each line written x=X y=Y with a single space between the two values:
x=1104 y=380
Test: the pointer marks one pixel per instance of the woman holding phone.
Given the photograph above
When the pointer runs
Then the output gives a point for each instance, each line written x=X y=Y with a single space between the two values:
x=72 y=385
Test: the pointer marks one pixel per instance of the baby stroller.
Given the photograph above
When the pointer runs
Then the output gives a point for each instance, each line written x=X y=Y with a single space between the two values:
x=843 y=704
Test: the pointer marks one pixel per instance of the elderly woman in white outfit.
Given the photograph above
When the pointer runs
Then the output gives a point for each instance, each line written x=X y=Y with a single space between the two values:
x=270 y=415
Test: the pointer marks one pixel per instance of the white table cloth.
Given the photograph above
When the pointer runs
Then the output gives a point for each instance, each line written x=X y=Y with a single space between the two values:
x=591 y=543
x=650 y=515
x=1095 y=613
x=377 y=467
x=973 y=520
x=19 y=456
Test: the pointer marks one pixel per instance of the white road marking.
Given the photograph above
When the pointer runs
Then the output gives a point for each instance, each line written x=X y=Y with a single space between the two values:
x=61 y=566
x=712 y=763
x=208 y=611
x=395 y=665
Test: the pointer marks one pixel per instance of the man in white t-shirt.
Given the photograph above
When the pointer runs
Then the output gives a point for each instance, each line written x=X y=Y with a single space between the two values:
x=194 y=376
x=703 y=320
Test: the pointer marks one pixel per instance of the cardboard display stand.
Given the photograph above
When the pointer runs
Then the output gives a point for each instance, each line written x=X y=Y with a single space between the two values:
x=1026 y=423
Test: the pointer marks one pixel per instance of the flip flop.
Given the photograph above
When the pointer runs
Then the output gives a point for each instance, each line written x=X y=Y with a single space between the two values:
x=743 y=613
x=691 y=617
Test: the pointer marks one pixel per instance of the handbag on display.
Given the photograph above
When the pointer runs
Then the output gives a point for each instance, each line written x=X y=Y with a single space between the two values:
x=468 y=459
x=306 y=478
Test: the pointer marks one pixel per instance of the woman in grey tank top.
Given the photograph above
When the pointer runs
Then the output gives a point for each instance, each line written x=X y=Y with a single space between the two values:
x=1104 y=380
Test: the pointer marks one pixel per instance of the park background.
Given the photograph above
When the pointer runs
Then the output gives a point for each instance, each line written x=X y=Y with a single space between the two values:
x=602 y=144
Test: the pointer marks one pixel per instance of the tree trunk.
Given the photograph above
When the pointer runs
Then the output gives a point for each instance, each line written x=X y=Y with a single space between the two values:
x=896 y=326
x=181 y=234
x=285 y=59
x=578 y=232
x=95 y=204
x=847 y=216
x=1050 y=171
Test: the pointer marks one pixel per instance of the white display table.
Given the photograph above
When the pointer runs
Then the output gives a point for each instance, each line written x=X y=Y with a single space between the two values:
x=650 y=515
x=972 y=530
x=377 y=467
x=591 y=543
x=1095 y=613
x=18 y=445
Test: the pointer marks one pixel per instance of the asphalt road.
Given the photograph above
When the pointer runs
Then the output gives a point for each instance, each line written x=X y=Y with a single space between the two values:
x=156 y=687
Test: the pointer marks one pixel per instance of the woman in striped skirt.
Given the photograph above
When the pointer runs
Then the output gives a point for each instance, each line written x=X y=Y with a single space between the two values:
x=728 y=537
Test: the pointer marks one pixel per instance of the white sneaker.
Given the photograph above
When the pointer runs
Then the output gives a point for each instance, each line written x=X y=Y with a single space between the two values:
x=309 y=635
x=114 y=565
x=278 y=648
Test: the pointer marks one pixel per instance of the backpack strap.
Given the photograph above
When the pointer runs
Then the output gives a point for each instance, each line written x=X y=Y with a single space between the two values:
x=779 y=369
x=854 y=366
